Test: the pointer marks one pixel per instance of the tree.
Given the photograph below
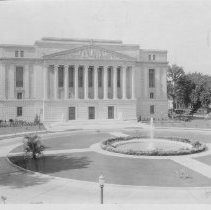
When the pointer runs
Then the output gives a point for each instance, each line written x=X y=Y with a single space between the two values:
x=201 y=93
x=173 y=74
x=33 y=145
x=185 y=87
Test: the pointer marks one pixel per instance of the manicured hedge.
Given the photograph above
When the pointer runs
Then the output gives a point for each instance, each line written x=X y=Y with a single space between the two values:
x=196 y=146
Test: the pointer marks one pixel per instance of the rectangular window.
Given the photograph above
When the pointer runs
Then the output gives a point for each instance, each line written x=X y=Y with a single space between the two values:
x=151 y=78
x=91 y=112
x=153 y=57
x=151 y=95
x=109 y=77
x=149 y=57
x=152 y=109
x=118 y=77
x=80 y=76
x=19 y=95
x=110 y=112
x=90 y=77
x=71 y=76
x=61 y=76
x=16 y=53
x=19 y=111
x=22 y=53
x=19 y=76
x=100 y=76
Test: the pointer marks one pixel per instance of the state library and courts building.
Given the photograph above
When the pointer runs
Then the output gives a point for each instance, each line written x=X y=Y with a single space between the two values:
x=82 y=79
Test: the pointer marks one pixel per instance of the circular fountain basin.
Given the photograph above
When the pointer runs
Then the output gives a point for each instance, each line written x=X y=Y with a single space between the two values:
x=145 y=145
x=153 y=147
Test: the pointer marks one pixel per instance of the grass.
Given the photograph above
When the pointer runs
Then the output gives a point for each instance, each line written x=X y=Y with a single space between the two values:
x=195 y=123
x=14 y=130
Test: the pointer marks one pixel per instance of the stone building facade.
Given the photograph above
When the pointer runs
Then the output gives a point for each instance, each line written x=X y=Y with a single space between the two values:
x=81 y=79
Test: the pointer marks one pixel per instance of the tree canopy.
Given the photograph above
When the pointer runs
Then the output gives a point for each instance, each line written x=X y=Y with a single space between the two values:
x=189 y=90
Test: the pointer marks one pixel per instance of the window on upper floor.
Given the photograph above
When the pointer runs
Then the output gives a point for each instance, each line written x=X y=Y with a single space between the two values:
x=71 y=76
x=153 y=57
x=109 y=76
x=100 y=76
x=151 y=78
x=149 y=57
x=152 y=109
x=80 y=76
x=118 y=77
x=61 y=76
x=19 y=76
x=90 y=76
x=22 y=53
x=19 y=95
x=16 y=53
x=19 y=111
x=151 y=95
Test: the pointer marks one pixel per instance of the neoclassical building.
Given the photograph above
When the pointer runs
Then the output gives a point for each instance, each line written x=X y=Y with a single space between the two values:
x=80 y=79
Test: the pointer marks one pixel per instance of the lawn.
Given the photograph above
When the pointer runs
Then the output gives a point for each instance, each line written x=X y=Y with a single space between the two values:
x=14 y=130
x=195 y=123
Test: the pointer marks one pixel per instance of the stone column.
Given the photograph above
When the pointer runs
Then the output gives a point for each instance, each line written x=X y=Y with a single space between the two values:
x=86 y=85
x=55 y=82
x=76 y=81
x=164 y=82
x=26 y=81
x=12 y=84
x=66 y=82
x=105 y=83
x=95 y=82
x=45 y=82
x=146 y=82
x=114 y=82
x=133 y=83
x=124 y=82
x=157 y=82
x=2 y=81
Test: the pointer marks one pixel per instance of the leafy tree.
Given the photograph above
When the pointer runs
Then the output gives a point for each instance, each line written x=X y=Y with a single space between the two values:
x=33 y=145
x=184 y=90
x=201 y=93
x=173 y=74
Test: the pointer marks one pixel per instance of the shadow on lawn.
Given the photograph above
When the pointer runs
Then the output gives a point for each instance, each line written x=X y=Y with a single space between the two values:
x=52 y=163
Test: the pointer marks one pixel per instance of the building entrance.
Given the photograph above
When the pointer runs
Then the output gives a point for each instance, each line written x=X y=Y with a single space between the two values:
x=91 y=112
x=110 y=112
x=71 y=113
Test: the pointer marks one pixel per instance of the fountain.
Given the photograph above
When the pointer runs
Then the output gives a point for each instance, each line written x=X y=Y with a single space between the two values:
x=151 y=128
x=151 y=145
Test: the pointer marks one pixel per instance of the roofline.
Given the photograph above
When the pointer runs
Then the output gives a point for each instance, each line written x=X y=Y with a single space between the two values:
x=154 y=50
x=81 y=40
x=16 y=45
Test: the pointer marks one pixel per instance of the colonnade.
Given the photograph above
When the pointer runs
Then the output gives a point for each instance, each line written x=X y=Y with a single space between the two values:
x=123 y=87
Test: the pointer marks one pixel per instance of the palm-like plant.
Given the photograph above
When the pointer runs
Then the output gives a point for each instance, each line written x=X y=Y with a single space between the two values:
x=33 y=145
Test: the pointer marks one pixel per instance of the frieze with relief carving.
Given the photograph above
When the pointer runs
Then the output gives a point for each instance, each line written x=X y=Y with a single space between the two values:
x=93 y=53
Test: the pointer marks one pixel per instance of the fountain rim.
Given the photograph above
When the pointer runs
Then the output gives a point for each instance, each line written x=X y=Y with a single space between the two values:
x=196 y=146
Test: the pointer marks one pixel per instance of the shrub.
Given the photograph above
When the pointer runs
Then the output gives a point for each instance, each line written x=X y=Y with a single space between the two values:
x=110 y=146
x=139 y=119
x=33 y=145
x=36 y=120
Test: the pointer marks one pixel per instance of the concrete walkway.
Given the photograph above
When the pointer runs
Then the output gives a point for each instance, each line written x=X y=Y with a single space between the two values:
x=21 y=187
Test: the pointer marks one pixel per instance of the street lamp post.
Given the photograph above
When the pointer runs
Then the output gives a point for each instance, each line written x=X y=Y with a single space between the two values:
x=101 y=183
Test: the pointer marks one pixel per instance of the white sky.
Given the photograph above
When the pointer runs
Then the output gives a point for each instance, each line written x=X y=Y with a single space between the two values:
x=181 y=27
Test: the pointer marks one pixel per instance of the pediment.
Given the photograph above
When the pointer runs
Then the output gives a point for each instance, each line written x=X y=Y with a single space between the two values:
x=89 y=52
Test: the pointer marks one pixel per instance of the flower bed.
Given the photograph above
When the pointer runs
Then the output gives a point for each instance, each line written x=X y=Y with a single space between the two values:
x=123 y=145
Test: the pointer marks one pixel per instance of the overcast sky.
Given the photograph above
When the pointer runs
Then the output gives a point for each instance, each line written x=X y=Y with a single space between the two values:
x=181 y=27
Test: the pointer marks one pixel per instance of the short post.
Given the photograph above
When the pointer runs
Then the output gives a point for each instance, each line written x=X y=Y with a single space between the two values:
x=101 y=184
